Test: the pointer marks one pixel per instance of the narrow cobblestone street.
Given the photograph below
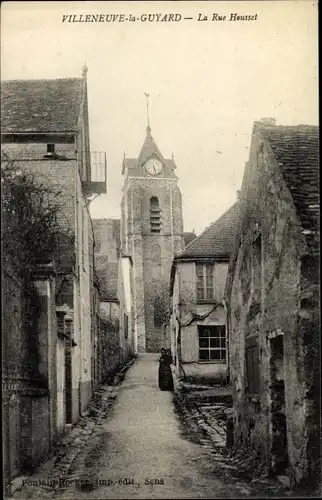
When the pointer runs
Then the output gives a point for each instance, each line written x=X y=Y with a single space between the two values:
x=137 y=448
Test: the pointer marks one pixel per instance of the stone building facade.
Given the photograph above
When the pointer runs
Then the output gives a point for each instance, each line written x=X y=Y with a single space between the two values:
x=110 y=341
x=30 y=418
x=272 y=294
x=125 y=287
x=114 y=271
x=151 y=233
x=45 y=132
x=198 y=319
x=107 y=238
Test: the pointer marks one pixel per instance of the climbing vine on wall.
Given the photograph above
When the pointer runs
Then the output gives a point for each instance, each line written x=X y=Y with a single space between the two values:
x=31 y=234
x=31 y=231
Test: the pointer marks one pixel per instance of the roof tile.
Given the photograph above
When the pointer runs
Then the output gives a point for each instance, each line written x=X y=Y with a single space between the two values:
x=296 y=149
x=217 y=240
x=188 y=237
x=41 y=105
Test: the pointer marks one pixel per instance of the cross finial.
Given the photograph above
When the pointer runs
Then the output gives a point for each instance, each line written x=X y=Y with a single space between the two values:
x=148 y=129
x=84 y=72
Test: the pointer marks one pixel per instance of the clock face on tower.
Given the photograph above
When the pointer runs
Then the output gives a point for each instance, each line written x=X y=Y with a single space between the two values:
x=153 y=166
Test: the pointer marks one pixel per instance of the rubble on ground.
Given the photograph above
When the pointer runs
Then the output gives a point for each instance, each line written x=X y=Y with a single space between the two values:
x=204 y=413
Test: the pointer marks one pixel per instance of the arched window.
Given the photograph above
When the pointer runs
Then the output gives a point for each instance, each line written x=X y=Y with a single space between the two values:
x=155 y=217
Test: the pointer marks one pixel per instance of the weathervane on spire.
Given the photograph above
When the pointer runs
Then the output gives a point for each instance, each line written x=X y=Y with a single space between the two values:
x=148 y=129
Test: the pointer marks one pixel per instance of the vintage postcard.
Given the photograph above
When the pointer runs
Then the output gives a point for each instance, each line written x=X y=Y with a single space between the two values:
x=160 y=249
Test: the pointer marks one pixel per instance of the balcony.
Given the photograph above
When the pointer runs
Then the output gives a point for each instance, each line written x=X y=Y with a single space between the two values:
x=97 y=174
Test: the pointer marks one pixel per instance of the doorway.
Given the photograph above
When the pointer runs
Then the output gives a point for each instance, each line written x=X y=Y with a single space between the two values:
x=278 y=409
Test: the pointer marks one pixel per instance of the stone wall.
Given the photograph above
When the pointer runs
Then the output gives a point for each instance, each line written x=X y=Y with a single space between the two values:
x=59 y=175
x=125 y=286
x=152 y=254
x=75 y=272
x=265 y=291
x=110 y=349
x=107 y=238
x=29 y=358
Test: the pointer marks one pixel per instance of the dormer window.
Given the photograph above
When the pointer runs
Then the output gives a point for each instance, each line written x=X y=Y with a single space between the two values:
x=155 y=215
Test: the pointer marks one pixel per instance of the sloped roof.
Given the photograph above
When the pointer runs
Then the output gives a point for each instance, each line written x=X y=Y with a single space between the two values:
x=108 y=281
x=188 y=237
x=296 y=149
x=41 y=105
x=217 y=240
x=148 y=149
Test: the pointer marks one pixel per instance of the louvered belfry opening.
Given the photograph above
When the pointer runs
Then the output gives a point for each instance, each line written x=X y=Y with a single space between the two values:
x=155 y=215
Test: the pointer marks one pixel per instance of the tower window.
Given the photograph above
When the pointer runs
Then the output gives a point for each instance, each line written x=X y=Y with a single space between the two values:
x=155 y=215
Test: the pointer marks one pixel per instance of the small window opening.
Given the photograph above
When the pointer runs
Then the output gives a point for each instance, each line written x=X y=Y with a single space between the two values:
x=51 y=148
x=155 y=215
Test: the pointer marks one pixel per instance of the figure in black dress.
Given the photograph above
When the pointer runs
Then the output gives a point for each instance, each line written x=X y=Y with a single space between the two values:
x=165 y=373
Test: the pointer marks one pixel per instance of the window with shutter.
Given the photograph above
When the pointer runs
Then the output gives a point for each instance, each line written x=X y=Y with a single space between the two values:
x=155 y=215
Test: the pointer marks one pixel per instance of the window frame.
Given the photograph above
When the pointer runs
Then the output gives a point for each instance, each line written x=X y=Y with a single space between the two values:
x=220 y=335
x=203 y=278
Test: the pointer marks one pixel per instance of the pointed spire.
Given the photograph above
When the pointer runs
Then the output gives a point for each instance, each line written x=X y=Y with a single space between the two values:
x=149 y=147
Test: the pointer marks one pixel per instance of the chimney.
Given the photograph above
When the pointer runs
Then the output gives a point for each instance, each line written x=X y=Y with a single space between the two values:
x=268 y=121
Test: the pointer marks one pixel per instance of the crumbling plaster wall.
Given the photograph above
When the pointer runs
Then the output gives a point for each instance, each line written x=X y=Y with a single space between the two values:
x=267 y=202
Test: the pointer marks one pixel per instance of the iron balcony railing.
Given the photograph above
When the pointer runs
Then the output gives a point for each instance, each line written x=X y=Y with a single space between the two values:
x=96 y=182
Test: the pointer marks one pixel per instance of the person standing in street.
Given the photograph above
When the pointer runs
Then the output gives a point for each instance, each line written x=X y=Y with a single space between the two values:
x=165 y=373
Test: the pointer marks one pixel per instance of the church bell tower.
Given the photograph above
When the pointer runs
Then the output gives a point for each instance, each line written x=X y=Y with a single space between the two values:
x=151 y=233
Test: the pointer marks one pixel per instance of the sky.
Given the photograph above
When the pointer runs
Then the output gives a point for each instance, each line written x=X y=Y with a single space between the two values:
x=207 y=80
